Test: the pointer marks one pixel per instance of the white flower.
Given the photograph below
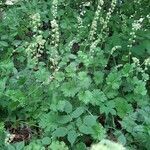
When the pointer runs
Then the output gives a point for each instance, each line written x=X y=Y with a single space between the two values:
x=9 y=138
x=115 y=48
x=107 y=145
x=101 y=2
x=147 y=62
x=141 y=19
x=95 y=20
x=136 y=26
x=87 y=4
x=54 y=23
x=36 y=17
x=135 y=60
x=10 y=2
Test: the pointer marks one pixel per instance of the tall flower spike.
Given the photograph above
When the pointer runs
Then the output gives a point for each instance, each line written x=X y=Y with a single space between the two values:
x=136 y=25
x=54 y=24
x=35 y=48
x=95 y=20
x=108 y=15
x=103 y=22
x=104 y=30
x=54 y=57
x=36 y=19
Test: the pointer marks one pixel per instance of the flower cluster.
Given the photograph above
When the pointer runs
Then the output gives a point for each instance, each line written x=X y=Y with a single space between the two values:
x=107 y=145
x=138 y=67
x=11 y=2
x=147 y=63
x=80 y=24
x=36 y=19
x=115 y=48
x=95 y=20
x=55 y=37
x=54 y=64
x=55 y=40
x=148 y=16
x=108 y=15
x=54 y=8
x=86 y=4
x=124 y=22
x=93 y=45
x=40 y=41
x=102 y=21
x=54 y=24
x=136 y=25
x=70 y=44
x=104 y=29
x=82 y=9
x=55 y=33
x=35 y=49
x=136 y=61
x=31 y=51
x=9 y=138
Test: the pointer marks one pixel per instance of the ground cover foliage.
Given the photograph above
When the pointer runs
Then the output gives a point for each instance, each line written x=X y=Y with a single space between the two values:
x=74 y=72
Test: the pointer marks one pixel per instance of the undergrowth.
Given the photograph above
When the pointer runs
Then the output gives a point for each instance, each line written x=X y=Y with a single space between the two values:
x=74 y=72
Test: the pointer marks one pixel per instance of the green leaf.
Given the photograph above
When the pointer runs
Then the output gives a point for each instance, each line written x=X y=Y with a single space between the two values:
x=10 y=147
x=71 y=68
x=59 y=76
x=68 y=107
x=48 y=121
x=2 y=127
x=60 y=132
x=46 y=141
x=63 y=119
x=78 y=112
x=72 y=136
x=90 y=120
x=85 y=96
x=140 y=88
x=84 y=80
x=110 y=93
x=79 y=122
x=98 y=97
x=70 y=88
x=56 y=145
x=2 y=85
x=120 y=136
x=114 y=80
x=61 y=105
x=80 y=146
x=63 y=25
x=99 y=132
x=122 y=139
x=122 y=107
x=3 y=43
x=127 y=70
x=20 y=146
x=108 y=107
x=85 y=129
x=128 y=123
x=98 y=77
